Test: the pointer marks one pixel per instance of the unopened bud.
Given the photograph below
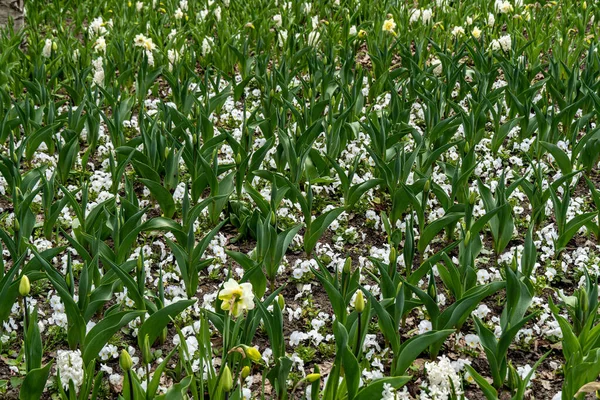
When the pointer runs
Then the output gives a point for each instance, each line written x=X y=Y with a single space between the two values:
x=467 y=238
x=195 y=139
x=472 y=198
x=245 y=372
x=146 y=353
x=427 y=185
x=167 y=152
x=393 y=255
x=348 y=265
x=359 y=302
x=125 y=361
x=24 y=286
x=16 y=225
x=467 y=147
x=281 y=301
x=313 y=377
x=252 y=353
x=227 y=379
x=249 y=25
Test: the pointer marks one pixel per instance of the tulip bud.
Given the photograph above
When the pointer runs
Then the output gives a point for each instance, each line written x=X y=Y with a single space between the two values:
x=24 y=286
x=227 y=379
x=583 y=300
x=273 y=218
x=427 y=185
x=195 y=139
x=472 y=198
x=393 y=255
x=245 y=372
x=348 y=265
x=54 y=46
x=313 y=377
x=16 y=225
x=140 y=264
x=513 y=264
x=146 y=353
x=281 y=301
x=467 y=238
x=467 y=147
x=125 y=361
x=238 y=159
x=359 y=302
x=167 y=152
x=163 y=336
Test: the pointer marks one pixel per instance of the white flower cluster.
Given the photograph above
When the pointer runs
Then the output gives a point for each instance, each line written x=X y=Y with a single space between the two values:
x=69 y=365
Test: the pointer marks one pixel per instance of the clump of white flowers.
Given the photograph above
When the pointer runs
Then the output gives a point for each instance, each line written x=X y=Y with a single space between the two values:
x=443 y=380
x=458 y=31
x=504 y=43
x=49 y=45
x=70 y=367
x=207 y=46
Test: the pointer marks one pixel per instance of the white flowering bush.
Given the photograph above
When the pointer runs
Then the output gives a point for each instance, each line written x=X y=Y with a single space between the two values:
x=321 y=200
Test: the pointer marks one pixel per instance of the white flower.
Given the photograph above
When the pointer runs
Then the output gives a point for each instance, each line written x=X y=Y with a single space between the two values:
x=505 y=43
x=415 y=16
x=426 y=15
x=495 y=45
x=472 y=340
x=97 y=27
x=482 y=311
x=278 y=20
x=100 y=45
x=352 y=31
x=139 y=5
x=504 y=7
x=314 y=38
x=47 y=50
x=491 y=20
x=438 y=68
x=476 y=32
x=178 y=14
x=207 y=46
x=70 y=367
x=458 y=31
x=524 y=371
x=425 y=326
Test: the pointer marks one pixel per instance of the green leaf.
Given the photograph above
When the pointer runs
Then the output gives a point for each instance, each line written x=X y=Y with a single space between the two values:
x=488 y=390
x=162 y=195
x=317 y=228
x=154 y=325
x=101 y=333
x=374 y=389
x=34 y=383
x=413 y=347
x=435 y=227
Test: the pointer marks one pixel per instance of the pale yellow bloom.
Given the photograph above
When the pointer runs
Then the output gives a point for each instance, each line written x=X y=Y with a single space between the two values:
x=236 y=298
x=389 y=25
